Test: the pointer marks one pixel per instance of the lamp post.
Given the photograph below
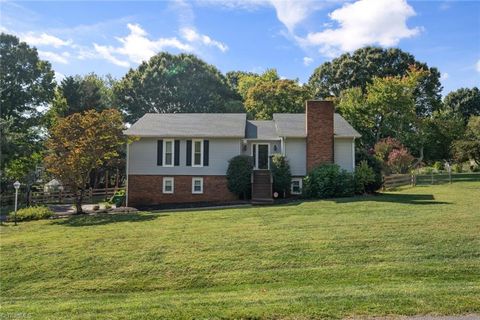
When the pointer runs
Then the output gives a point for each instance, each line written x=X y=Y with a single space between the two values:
x=16 y=185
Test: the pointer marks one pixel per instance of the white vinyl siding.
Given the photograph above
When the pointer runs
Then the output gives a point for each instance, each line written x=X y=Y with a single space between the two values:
x=344 y=153
x=142 y=157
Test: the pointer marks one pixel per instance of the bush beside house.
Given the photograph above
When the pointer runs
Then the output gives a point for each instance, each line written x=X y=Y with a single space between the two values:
x=239 y=173
x=282 y=177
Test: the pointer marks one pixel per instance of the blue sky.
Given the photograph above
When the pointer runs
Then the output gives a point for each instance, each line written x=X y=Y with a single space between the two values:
x=292 y=36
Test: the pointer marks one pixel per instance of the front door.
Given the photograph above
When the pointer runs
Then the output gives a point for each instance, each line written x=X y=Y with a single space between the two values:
x=261 y=152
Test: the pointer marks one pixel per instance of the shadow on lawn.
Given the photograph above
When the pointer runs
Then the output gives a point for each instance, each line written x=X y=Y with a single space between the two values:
x=417 y=199
x=102 y=219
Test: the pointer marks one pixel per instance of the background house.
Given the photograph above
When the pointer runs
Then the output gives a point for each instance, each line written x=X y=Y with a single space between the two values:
x=182 y=158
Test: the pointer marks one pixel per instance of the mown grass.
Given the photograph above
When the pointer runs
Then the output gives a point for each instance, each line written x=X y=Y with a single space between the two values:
x=414 y=251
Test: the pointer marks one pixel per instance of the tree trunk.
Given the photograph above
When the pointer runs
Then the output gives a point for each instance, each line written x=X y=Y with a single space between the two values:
x=78 y=201
x=420 y=158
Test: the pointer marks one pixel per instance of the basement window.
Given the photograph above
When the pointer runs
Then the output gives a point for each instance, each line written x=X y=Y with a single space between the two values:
x=168 y=185
x=296 y=187
x=197 y=185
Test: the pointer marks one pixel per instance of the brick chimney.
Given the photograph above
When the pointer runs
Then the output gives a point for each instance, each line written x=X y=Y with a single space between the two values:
x=319 y=118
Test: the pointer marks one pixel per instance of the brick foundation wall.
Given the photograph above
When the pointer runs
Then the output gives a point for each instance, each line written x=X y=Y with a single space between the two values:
x=319 y=118
x=147 y=190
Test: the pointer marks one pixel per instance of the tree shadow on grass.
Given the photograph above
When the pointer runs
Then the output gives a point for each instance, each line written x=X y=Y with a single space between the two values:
x=416 y=199
x=104 y=218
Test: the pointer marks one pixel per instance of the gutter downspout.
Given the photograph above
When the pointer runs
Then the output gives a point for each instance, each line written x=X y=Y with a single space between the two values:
x=353 y=155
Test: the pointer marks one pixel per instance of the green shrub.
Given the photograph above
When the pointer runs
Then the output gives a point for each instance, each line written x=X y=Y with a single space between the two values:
x=457 y=168
x=282 y=177
x=32 y=213
x=239 y=173
x=364 y=176
x=376 y=165
x=327 y=181
x=438 y=166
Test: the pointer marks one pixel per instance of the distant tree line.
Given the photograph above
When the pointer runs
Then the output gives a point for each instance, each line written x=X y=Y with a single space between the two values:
x=381 y=92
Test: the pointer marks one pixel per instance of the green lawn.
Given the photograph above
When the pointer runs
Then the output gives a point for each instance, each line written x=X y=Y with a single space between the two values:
x=415 y=251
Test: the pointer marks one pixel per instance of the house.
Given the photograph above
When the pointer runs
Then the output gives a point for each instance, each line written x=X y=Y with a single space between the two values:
x=183 y=158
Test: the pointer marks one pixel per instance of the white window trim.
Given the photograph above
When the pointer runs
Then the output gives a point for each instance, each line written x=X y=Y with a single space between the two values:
x=165 y=152
x=193 y=185
x=201 y=153
x=255 y=146
x=173 y=185
x=300 y=184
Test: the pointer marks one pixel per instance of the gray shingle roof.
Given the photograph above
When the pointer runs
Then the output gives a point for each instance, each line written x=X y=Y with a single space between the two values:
x=198 y=125
x=293 y=125
x=229 y=125
x=263 y=130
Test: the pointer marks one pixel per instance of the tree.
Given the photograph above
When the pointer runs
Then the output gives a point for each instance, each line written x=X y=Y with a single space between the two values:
x=78 y=94
x=25 y=170
x=26 y=84
x=266 y=94
x=386 y=108
x=281 y=96
x=282 y=177
x=249 y=80
x=174 y=83
x=440 y=131
x=468 y=148
x=362 y=66
x=394 y=156
x=464 y=101
x=80 y=143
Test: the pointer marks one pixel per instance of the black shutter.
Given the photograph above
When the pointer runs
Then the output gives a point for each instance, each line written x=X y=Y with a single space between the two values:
x=159 y=152
x=177 y=153
x=205 y=152
x=189 y=152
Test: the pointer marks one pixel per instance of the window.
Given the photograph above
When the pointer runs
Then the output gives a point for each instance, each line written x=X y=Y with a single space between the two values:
x=197 y=185
x=197 y=154
x=168 y=151
x=296 y=186
x=168 y=185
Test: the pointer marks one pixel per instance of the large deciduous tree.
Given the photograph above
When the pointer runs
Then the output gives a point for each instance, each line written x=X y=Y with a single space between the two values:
x=468 y=148
x=267 y=94
x=26 y=86
x=81 y=93
x=174 y=83
x=464 y=101
x=80 y=143
x=386 y=108
x=358 y=69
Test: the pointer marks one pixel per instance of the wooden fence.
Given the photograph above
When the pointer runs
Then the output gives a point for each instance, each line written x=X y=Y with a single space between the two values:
x=398 y=180
x=40 y=197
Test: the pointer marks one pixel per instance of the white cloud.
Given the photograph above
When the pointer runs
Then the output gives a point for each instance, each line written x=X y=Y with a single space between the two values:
x=59 y=77
x=289 y=12
x=105 y=53
x=477 y=65
x=444 y=76
x=137 y=47
x=292 y=12
x=53 y=56
x=365 y=22
x=307 y=61
x=191 y=35
x=44 y=39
